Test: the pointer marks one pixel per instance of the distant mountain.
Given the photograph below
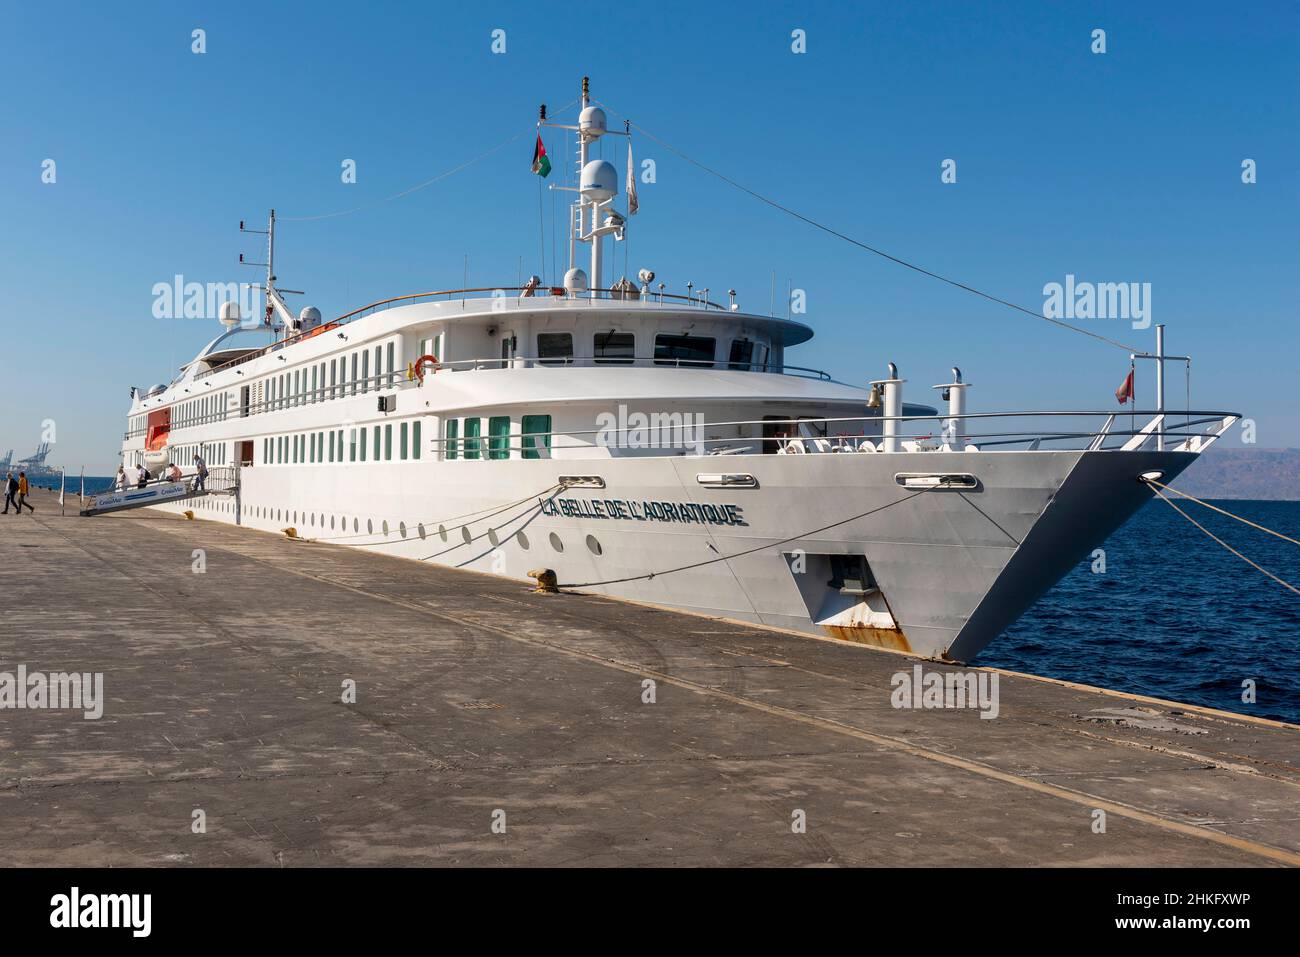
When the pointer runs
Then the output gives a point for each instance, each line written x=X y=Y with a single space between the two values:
x=1244 y=473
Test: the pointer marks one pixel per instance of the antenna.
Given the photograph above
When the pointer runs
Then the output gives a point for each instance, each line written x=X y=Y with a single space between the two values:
x=274 y=301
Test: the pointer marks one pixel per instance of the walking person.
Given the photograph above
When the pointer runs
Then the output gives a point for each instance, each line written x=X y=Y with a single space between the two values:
x=11 y=490
x=200 y=475
x=23 y=491
x=120 y=482
x=141 y=476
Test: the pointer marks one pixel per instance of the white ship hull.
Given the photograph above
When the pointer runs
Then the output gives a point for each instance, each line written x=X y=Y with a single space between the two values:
x=953 y=568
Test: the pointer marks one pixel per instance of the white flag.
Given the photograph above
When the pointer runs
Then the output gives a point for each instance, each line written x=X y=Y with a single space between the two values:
x=632 y=204
x=63 y=476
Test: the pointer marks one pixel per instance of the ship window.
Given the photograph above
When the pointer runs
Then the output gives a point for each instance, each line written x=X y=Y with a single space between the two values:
x=320 y=446
x=684 y=350
x=365 y=371
x=362 y=443
x=405 y=430
x=352 y=445
x=388 y=443
x=473 y=428
x=391 y=360
x=314 y=373
x=375 y=457
x=614 y=347
x=453 y=430
x=334 y=377
x=499 y=437
x=340 y=444
x=331 y=451
x=354 y=374
x=415 y=442
x=742 y=355
x=554 y=348
x=536 y=431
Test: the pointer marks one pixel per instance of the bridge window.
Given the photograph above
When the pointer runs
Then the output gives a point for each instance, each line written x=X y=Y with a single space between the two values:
x=685 y=350
x=536 y=431
x=388 y=443
x=555 y=348
x=614 y=347
x=404 y=445
x=499 y=437
x=742 y=355
x=415 y=439
x=362 y=443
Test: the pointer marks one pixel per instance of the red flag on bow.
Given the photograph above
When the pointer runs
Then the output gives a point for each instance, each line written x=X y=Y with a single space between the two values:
x=1125 y=391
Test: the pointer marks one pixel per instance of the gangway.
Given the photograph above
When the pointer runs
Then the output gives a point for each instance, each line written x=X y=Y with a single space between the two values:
x=220 y=481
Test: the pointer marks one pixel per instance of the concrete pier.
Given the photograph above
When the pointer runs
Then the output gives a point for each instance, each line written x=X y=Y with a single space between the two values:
x=479 y=704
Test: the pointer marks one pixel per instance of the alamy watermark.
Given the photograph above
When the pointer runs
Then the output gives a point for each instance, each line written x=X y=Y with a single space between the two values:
x=180 y=299
x=946 y=689
x=650 y=430
x=1098 y=300
x=58 y=690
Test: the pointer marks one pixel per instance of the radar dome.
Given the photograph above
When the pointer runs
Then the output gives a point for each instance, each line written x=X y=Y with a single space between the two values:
x=309 y=318
x=157 y=389
x=230 y=314
x=575 y=280
x=599 y=181
x=592 y=120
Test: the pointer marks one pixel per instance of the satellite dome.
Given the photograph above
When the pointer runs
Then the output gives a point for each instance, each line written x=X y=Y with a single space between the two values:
x=575 y=280
x=156 y=389
x=310 y=315
x=230 y=314
x=599 y=181
x=592 y=120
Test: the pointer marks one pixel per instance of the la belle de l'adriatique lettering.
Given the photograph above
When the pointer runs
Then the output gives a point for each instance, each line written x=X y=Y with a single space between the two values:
x=615 y=508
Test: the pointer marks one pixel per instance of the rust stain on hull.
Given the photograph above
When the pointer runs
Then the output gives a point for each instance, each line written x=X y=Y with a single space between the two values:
x=890 y=638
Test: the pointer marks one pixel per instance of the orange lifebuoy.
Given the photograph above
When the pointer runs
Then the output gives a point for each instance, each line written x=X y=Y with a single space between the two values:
x=420 y=363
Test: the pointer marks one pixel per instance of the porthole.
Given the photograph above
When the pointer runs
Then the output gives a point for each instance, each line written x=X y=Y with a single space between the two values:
x=593 y=545
x=522 y=539
x=442 y=532
x=370 y=526
x=385 y=526
x=464 y=533
x=356 y=525
x=331 y=523
x=401 y=529
x=422 y=533
x=492 y=537
x=313 y=519
x=556 y=543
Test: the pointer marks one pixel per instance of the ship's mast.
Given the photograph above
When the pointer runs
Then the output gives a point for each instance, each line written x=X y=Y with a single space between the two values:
x=597 y=187
x=275 y=304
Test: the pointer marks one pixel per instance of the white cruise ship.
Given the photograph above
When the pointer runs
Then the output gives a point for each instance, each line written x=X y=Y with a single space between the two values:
x=657 y=447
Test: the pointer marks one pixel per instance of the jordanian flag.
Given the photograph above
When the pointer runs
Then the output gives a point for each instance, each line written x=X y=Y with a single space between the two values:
x=541 y=164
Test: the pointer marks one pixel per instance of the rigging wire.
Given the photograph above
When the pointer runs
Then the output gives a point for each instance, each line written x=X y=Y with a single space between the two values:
x=428 y=182
x=871 y=249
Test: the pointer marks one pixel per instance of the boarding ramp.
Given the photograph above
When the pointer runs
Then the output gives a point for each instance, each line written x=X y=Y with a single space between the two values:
x=220 y=481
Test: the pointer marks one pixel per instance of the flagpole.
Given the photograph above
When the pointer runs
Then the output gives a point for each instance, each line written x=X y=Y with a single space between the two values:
x=63 y=481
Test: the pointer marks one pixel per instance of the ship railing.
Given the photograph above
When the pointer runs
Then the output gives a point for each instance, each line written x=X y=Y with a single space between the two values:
x=654 y=298
x=678 y=434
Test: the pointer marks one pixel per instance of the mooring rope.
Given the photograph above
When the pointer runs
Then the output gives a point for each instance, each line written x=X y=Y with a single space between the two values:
x=722 y=558
x=1223 y=511
x=491 y=510
x=1252 y=564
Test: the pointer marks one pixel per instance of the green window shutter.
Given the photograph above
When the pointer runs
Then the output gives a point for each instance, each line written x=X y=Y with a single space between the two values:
x=499 y=437
x=536 y=430
x=453 y=431
x=473 y=429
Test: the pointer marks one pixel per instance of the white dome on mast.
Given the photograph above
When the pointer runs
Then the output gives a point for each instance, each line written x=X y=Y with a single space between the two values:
x=598 y=182
x=592 y=121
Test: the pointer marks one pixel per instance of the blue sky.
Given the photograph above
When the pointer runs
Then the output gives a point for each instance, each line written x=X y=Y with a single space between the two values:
x=1118 y=167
